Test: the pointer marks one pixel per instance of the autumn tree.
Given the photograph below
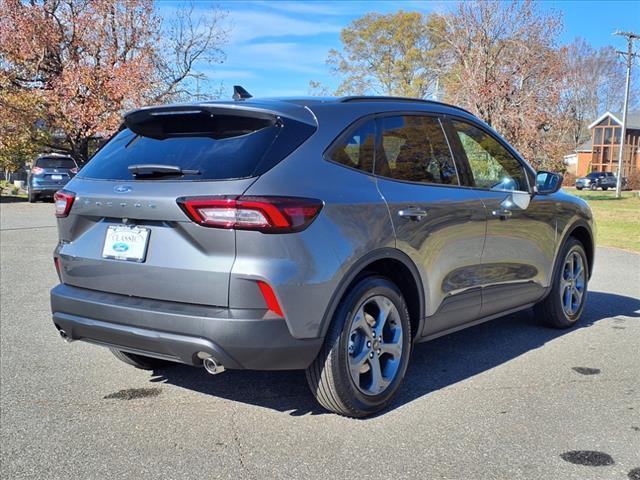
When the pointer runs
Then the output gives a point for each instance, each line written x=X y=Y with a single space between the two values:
x=186 y=39
x=392 y=54
x=88 y=60
x=505 y=67
x=592 y=85
x=20 y=135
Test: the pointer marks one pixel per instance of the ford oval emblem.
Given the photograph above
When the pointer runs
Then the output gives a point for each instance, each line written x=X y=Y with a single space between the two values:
x=120 y=247
x=122 y=188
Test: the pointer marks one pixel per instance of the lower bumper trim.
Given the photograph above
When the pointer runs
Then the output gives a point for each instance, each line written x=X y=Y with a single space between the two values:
x=239 y=339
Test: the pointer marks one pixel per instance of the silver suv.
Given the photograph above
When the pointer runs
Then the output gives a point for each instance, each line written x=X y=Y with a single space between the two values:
x=325 y=234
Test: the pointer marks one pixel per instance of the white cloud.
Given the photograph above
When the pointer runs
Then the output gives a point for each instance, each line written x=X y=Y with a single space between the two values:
x=251 y=25
x=345 y=8
x=280 y=57
x=222 y=73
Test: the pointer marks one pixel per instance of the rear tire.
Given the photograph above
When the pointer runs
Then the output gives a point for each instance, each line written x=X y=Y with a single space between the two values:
x=366 y=350
x=139 y=361
x=593 y=186
x=605 y=188
x=565 y=302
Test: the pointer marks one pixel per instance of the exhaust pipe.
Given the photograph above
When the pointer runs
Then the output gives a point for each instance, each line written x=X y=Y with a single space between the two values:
x=212 y=366
x=64 y=335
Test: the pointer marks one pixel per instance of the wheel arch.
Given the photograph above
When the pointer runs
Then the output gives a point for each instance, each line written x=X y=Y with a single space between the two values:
x=581 y=231
x=396 y=266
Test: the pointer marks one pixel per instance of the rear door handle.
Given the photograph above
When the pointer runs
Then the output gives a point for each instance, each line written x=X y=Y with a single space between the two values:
x=502 y=213
x=412 y=213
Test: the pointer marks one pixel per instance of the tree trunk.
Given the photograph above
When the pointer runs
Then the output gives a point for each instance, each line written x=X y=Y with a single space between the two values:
x=81 y=150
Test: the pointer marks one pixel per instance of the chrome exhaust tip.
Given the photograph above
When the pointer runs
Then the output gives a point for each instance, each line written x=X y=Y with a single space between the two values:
x=212 y=366
x=64 y=335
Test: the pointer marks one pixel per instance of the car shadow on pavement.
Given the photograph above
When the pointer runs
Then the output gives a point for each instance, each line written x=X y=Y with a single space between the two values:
x=434 y=365
x=12 y=199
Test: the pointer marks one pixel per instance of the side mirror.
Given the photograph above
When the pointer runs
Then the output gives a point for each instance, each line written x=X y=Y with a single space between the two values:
x=548 y=182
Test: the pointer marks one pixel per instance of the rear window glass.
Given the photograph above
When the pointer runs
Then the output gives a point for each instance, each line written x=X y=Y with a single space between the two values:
x=237 y=147
x=55 y=163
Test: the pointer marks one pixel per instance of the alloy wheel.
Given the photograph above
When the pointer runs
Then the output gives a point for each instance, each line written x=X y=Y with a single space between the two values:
x=375 y=345
x=572 y=283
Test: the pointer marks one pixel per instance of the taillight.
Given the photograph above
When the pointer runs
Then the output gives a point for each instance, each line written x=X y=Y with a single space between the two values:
x=63 y=201
x=37 y=170
x=264 y=214
x=74 y=170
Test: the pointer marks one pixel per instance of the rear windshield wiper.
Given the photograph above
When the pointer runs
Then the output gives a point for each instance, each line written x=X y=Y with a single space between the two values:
x=152 y=170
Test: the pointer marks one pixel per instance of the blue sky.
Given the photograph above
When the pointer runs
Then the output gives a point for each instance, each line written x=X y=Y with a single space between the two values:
x=276 y=47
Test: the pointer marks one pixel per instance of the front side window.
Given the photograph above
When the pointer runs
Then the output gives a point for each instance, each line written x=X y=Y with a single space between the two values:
x=357 y=149
x=492 y=165
x=414 y=148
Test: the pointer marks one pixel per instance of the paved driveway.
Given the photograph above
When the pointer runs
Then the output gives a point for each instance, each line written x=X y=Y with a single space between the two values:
x=505 y=400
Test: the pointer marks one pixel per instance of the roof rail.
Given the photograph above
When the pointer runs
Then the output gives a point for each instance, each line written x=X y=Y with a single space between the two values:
x=374 y=98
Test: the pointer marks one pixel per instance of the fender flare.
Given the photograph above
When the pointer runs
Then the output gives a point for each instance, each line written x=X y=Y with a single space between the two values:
x=361 y=265
x=567 y=233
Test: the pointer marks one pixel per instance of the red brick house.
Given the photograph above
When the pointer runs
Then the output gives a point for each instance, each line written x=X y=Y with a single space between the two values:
x=601 y=152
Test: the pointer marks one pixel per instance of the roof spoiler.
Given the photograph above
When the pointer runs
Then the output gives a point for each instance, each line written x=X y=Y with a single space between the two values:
x=189 y=120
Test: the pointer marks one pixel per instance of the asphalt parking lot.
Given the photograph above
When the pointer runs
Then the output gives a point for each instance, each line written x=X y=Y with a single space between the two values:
x=504 y=400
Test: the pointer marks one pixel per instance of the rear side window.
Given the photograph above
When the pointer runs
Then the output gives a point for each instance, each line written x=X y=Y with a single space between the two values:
x=357 y=149
x=414 y=148
x=220 y=148
x=55 y=163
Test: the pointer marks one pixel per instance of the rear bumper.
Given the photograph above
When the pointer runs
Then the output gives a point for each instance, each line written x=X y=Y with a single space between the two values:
x=48 y=189
x=239 y=339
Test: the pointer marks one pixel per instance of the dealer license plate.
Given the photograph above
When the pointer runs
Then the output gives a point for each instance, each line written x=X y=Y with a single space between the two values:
x=123 y=242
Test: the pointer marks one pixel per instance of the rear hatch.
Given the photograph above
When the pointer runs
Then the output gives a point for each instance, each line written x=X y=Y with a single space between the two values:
x=126 y=233
x=53 y=171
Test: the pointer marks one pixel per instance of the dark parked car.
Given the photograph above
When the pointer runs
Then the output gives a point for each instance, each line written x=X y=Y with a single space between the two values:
x=329 y=235
x=595 y=180
x=49 y=174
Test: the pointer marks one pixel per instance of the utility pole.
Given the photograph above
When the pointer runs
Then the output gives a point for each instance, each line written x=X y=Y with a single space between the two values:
x=629 y=57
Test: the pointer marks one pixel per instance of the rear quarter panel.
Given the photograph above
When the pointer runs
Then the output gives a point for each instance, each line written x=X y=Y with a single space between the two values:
x=306 y=268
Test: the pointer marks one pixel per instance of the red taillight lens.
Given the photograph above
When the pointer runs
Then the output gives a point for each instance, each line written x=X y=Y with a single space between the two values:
x=270 y=298
x=37 y=170
x=63 y=201
x=265 y=214
x=74 y=170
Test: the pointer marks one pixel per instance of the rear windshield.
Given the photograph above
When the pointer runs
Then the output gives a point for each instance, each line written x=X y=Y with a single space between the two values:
x=55 y=163
x=234 y=153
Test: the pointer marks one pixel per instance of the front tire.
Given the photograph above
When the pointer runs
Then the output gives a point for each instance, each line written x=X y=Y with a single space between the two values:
x=366 y=350
x=139 y=361
x=578 y=188
x=593 y=186
x=605 y=188
x=32 y=197
x=565 y=302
